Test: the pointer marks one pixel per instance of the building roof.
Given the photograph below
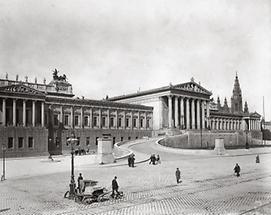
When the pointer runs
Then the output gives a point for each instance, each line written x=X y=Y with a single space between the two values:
x=188 y=87
x=90 y=102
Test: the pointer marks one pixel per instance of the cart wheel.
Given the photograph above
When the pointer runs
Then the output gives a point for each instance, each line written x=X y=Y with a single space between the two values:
x=66 y=194
x=87 y=201
x=102 y=197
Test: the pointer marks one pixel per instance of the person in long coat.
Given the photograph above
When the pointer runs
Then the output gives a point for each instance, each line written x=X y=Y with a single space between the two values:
x=237 y=170
x=178 y=175
x=115 y=186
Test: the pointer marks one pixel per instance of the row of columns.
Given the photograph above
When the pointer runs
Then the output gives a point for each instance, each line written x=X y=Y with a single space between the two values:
x=225 y=124
x=254 y=124
x=179 y=113
x=14 y=107
x=107 y=119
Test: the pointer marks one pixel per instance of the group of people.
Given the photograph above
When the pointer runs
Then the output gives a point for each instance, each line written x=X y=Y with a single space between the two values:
x=155 y=160
x=131 y=160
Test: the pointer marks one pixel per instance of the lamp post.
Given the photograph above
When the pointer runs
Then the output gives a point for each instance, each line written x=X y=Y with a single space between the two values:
x=4 y=148
x=72 y=140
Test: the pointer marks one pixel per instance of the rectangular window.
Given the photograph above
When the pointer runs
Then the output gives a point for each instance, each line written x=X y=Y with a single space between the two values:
x=76 y=120
x=66 y=120
x=10 y=143
x=56 y=119
x=103 y=121
x=20 y=142
x=86 y=121
x=78 y=141
x=129 y=138
x=148 y=123
x=95 y=121
x=121 y=138
x=96 y=142
x=119 y=122
x=30 y=142
x=111 y=121
x=127 y=122
x=141 y=123
x=87 y=141
x=134 y=122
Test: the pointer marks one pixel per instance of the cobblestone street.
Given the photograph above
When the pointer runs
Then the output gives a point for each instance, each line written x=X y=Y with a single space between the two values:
x=208 y=187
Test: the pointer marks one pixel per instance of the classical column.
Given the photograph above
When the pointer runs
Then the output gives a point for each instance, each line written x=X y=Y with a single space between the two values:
x=160 y=112
x=198 y=114
x=82 y=117
x=72 y=117
x=138 y=124
x=193 y=113
x=42 y=114
x=176 y=113
x=145 y=120
x=187 y=114
x=249 y=121
x=100 y=118
x=203 y=114
x=124 y=119
x=33 y=113
x=108 y=119
x=14 y=112
x=61 y=115
x=4 y=112
x=116 y=120
x=24 y=113
x=170 y=111
x=90 y=118
x=182 y=112
x=207 y=113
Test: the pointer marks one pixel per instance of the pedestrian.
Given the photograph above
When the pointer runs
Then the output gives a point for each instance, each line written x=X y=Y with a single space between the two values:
x=178 y=175
x=158 y=159
x=237 y=170
x=132 y=160
x=151 y=158
x=257 y=159
x=129 y=160
x=80 y=182
x=115 y=187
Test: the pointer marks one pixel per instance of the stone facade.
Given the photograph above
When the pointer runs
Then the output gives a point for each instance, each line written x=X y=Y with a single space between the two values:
x=37 y=118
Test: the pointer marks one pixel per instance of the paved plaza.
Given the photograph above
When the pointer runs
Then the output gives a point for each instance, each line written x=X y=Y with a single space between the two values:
x=37 y=185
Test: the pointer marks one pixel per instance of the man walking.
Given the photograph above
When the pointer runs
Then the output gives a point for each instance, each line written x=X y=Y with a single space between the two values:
x=115 y=187
x=178 y=175
x=237 y=170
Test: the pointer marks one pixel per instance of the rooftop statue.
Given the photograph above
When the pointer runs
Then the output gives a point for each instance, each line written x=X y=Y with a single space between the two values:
x=59 y=78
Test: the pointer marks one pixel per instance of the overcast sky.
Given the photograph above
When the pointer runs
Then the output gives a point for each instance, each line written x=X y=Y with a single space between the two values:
x=115 y=47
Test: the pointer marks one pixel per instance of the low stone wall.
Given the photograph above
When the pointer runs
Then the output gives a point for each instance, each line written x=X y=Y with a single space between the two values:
x=206 y=140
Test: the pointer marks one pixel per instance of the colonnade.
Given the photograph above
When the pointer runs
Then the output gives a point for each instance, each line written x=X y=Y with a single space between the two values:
x=15 y=106
x=254 y=124
x=105 y=118
x=225 y=124
x=185 y=112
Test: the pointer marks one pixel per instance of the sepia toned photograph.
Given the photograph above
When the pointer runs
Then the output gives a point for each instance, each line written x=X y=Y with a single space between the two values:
x=135 y=107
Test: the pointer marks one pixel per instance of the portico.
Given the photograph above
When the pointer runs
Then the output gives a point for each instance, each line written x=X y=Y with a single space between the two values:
x=182 y=106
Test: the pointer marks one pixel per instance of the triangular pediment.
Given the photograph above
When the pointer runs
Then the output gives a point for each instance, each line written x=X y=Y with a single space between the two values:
x=21 y=89
x=192 y=87
x=255 y=114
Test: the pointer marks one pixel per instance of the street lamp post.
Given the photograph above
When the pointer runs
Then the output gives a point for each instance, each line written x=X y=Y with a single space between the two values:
x=72 y=140
x=4 y=148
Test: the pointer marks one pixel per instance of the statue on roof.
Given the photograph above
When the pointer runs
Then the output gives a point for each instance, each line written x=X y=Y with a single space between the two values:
x=57 y=77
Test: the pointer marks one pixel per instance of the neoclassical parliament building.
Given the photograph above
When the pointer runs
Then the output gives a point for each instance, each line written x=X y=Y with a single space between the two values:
x=38 y=118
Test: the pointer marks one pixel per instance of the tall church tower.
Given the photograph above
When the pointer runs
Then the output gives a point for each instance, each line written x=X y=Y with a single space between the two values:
x=236 y=99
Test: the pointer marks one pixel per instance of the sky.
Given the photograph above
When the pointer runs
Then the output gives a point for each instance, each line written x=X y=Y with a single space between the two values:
x=118 y=47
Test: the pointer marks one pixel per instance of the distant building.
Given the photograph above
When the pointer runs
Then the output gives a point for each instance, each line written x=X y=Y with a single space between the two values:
x=188 y=106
